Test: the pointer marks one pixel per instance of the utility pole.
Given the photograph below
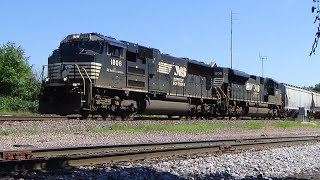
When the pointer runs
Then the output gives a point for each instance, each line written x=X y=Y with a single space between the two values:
x=231 y=39
x=262 y=58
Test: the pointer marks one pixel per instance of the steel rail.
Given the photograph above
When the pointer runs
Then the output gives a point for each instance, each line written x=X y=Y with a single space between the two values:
x=10 y=117
x=42 y=159
x=34 y=117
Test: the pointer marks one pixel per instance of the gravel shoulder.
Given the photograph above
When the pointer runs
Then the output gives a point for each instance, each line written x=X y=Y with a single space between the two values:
x=296 y=162
x=61 y=133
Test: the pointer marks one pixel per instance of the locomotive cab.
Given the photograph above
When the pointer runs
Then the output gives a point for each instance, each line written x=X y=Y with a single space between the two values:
x=75 y=68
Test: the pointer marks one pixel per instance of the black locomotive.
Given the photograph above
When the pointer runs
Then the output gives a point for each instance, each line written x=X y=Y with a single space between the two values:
x=95 y=74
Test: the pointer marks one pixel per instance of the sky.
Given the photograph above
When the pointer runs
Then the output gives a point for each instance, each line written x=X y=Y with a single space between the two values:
x=281 y=30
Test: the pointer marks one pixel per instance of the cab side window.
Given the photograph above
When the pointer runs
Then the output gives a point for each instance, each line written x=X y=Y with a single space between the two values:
x=115 y=51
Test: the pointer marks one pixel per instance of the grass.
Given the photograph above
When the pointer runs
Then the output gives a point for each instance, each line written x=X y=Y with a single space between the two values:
x=7 y=132
x=6 y=112
x=290 y=124
x=176 y=127
x=203 y=126
x=160 y=127
x=29 y=131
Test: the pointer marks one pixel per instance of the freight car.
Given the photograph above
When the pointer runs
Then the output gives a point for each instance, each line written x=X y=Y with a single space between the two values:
x=94 y=74
x=296 y=97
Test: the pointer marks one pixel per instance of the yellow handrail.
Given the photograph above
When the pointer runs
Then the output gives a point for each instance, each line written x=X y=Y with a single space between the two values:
x=84 y=81
x=90 y=82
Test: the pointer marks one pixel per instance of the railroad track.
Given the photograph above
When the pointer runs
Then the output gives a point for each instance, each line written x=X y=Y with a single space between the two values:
x=57 y=117
x=10 y=117
x=44 y=159
x=34 y=117
x=39 y=117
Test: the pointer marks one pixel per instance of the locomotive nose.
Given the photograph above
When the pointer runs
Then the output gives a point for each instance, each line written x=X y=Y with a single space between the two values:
x=67 y=54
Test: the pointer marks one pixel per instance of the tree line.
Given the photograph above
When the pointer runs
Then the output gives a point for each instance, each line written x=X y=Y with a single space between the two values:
x=19 y=87
x=313 y=88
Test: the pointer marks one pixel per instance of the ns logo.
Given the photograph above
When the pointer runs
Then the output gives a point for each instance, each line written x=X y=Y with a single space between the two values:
x=180 y=71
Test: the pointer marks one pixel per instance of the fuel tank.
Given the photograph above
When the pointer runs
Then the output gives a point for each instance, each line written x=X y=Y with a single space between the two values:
x=258 y=112
x=159 y=107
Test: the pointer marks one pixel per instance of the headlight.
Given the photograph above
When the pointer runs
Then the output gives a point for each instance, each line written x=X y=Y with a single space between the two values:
x=76 y=36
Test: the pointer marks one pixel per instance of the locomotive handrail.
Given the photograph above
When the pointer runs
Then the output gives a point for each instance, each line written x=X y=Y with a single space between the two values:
x=84 y=81
x=218 y=94
x=90 y=82
x=226 y=99
x=43 y=72
x=224 y=95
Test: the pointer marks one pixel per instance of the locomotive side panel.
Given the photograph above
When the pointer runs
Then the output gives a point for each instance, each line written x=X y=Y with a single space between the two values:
x=173 y=73
x=200 y=77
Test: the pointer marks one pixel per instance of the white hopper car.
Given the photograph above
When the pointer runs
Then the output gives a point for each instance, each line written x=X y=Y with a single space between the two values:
x=296 y=98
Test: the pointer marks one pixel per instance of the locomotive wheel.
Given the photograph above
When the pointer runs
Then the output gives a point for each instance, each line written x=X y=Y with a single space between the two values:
x=104 y=114
x=104 y=117
x=123 y=117
x=84 y=114
x=113 y=117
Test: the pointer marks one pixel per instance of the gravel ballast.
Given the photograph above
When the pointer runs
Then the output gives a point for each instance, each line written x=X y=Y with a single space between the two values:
x=297 y=161
x=280 y=163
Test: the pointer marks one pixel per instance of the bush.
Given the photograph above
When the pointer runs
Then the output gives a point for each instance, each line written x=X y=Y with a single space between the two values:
x=16 y=77
x=15 y=104
x=19 y=88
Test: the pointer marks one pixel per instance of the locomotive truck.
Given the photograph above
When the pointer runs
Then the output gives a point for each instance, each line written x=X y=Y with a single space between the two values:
x=95 y=74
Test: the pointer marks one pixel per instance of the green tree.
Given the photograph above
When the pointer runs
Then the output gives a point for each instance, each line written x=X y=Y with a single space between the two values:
x=310 y=88
x=317 y=87
x=16 y=78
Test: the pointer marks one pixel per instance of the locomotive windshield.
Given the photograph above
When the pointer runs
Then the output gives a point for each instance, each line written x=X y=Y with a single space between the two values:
x=83 y=42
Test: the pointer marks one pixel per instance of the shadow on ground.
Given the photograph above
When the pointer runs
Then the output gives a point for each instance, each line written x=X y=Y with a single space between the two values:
x=124 y=173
